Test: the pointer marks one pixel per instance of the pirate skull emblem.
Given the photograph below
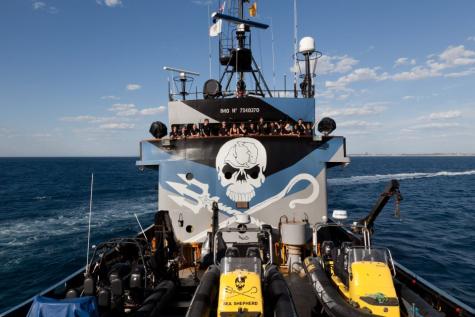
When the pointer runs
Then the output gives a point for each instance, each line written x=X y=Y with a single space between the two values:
x=240 y=164
x=240 y=282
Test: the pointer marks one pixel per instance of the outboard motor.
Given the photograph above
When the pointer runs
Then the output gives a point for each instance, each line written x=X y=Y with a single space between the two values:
x=118 y=275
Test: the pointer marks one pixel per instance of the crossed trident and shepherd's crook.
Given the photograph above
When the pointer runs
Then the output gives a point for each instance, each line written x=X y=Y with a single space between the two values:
x=196 y=200
x=234 y=293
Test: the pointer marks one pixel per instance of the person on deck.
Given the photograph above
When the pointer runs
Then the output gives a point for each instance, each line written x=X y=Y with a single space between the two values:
x=174 y=132
x=234 y=131
x=183 y=132
x=308 y=129
x=242 y=129
x=206 y=129
x=288 y=129
x=299 y=127
x=252 y=129
x=277 y=128
x=261 y=126
x=223 y=130
x=272 y=129
x=194 y=132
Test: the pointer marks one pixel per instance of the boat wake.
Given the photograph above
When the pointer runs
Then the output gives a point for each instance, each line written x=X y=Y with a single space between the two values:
x=71 y=222
x=370 y=179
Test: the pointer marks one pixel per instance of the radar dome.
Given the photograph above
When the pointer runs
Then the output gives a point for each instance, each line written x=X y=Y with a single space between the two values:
x=307 y=45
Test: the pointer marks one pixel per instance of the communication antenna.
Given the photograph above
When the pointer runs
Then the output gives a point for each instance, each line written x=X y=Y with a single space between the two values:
x=295 y=48
x=141 y=228
x=273 y=51
x=89 y=226
x=209 y=42
x=183 y=80
x=307 y=63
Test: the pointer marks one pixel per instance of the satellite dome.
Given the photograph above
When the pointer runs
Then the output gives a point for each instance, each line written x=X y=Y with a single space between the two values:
x=307 y=45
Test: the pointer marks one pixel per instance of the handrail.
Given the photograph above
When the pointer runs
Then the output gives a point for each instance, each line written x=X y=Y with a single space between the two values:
x=276 y=93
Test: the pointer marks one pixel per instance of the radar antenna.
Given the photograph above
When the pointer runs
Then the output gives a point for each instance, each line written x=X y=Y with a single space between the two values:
x=235 y=51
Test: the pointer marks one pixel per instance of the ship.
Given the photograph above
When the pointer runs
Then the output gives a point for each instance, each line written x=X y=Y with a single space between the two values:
x=243 y=226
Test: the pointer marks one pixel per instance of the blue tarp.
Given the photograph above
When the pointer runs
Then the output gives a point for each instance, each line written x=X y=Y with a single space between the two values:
x=71 y=307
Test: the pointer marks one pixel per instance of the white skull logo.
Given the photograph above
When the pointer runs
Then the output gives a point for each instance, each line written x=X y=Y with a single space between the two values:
x=240 y=164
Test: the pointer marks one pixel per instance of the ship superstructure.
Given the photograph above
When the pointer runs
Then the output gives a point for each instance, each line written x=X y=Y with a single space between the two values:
x=263 y=174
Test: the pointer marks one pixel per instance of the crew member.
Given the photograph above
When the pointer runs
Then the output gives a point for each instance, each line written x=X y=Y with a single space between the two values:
x=252 y=129
x=272 y=129
x=223 y=130
x=206 y=129
x=183 y=132
x=299 y=127
x=174 y=132
x=242 y=129
x=195 y=132
x=261 y=126
x=234 y=131
x=288 y=129
x=308 y=130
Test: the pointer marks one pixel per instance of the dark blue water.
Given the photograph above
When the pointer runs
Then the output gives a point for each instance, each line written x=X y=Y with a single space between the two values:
x=44 y=205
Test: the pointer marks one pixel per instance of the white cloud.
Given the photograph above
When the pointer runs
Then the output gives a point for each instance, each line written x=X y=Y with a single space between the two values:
x=128 y=110
x=202 y=2
x=415 y=73
x=408 y=97
x=471 y=38
x=451 y=57
x=38 y=5
x=82 y=118
x=434 y=125
x=404 y=61
x=335 y=64
x=42 y=135
x=358 y=123
x=438 y=117
x=152 y=111
x=117 y=126
x=110 y=97
x=360 y=74
x=110 y=3
x=88 y=119
x=133 y=87
x=436 y=65
x=124 y=110
x=368 y=109
x=456 y=56
x=463 y=73
x=445 y=115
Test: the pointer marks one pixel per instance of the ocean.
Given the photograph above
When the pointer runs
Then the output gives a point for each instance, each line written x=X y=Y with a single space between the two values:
x=44 y=206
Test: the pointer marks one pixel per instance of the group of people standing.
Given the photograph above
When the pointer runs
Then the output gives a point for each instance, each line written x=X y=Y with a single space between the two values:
x=242 y=129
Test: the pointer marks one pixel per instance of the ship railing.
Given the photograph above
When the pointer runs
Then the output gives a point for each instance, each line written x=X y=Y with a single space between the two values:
x=176 y=96
x=215 y=129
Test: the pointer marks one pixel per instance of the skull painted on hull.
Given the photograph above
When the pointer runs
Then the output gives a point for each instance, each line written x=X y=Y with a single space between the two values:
x=240 y=164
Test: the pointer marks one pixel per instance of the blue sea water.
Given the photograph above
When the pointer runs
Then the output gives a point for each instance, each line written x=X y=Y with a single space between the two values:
x=44 y=207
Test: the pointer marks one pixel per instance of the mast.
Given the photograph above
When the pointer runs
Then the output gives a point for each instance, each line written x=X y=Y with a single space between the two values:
x=295 y=48
x=209 y=42
x=236 y=54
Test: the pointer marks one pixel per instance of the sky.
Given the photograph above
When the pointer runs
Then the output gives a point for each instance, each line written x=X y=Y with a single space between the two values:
x=85 y=77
